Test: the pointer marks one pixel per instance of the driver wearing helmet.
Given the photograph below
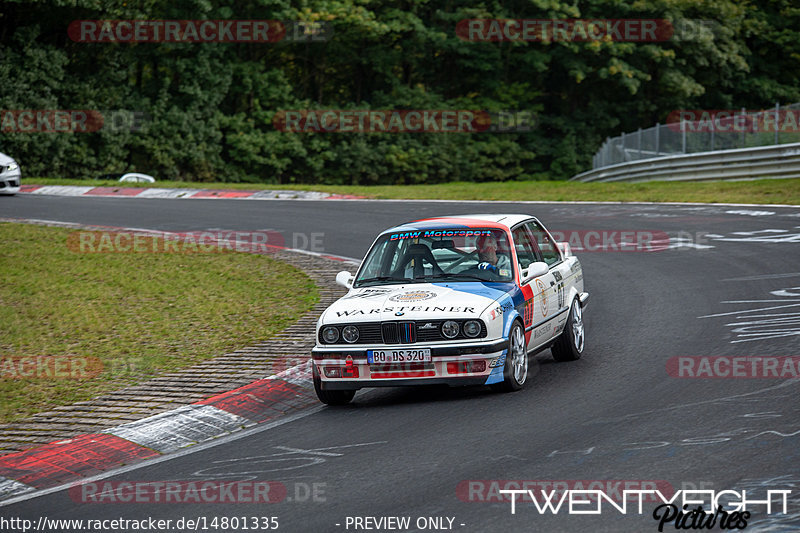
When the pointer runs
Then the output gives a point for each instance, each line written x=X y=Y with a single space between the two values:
x=488 y=257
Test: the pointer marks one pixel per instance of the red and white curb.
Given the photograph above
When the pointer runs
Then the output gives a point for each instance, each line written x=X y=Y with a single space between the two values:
x=205 y=194
x=83 y=456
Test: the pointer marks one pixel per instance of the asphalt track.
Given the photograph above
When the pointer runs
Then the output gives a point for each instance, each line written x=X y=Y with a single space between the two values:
x=728 y=286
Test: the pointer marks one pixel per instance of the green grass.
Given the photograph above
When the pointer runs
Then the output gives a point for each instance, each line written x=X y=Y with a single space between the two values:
x=766 y=191
x=130 y=314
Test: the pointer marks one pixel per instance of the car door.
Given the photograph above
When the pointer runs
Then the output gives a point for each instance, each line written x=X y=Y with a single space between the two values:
x=548 y=251
x=539 y=292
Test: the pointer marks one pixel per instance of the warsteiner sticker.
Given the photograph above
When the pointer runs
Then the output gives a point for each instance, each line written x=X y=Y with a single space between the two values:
x=413 y=296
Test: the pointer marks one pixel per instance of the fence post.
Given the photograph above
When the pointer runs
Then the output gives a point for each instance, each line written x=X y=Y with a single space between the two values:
x=744 y=128
x=622 y=143
x=713 y=127
x=658 y=138
x=683 y=142
x=777 y=111
x=639 y=142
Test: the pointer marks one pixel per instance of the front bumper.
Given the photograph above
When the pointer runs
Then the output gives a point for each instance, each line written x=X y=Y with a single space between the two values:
x=9 y=182
x=451 y=364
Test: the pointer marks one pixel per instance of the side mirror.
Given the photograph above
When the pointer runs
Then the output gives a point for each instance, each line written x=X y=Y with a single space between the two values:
x=535 y=270
x=345 y=279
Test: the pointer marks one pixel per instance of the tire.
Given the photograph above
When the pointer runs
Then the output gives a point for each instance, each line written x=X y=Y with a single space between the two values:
x=330 y=397
x=569 y=345
x=515 y=370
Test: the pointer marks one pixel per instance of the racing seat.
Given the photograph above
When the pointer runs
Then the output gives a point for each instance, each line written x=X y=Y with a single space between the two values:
x=419 y=253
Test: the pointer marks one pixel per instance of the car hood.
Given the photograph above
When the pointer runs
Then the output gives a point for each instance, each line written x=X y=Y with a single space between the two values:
x=417 y=301
x=5 y=160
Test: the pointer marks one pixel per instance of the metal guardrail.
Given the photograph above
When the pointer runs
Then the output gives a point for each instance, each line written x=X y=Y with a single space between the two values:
x=777 y=161
x=689 y=140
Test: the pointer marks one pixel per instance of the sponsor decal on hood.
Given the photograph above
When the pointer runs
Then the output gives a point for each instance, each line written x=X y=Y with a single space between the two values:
x=420 y=302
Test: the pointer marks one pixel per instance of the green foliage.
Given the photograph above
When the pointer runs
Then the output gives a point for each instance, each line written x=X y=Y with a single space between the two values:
x=208 y=109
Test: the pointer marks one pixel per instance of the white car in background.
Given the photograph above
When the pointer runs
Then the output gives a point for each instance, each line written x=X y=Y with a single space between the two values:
x=136 y=177
x=10 y=175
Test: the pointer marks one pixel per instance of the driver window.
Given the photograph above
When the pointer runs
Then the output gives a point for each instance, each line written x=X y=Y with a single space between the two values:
x=545 y=244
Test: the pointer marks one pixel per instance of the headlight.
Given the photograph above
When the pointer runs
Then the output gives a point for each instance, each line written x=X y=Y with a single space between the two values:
x=450 y=329
x=350 y=334
x=472 y=328
x=330 y=334
x=12 y=166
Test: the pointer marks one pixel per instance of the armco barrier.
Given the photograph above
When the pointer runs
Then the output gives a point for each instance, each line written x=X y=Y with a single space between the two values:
x=777 y=161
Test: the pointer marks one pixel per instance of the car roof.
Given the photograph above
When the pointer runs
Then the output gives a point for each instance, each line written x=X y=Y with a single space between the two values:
x=503 y=221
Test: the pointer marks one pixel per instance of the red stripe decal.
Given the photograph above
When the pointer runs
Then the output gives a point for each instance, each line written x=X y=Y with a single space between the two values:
x=262 y=400
x=63 y=461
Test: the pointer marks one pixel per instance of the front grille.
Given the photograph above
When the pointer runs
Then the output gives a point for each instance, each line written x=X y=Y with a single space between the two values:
x=402 y=332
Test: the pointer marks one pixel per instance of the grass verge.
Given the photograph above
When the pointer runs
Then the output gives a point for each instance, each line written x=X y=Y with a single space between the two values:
x=766 y=191
x=126 y=315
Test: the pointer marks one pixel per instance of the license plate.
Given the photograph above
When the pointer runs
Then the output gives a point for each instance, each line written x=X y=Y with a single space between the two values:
x=398 y=356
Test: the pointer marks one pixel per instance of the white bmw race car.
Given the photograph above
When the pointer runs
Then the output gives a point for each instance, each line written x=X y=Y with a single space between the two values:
x=458 y=300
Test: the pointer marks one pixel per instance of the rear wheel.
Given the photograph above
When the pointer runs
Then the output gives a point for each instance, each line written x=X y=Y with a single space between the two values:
x=569 y=345
x=515 y=370
x=330 y=397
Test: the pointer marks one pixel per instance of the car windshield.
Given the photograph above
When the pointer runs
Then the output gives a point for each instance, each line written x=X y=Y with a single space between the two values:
x=418 y=256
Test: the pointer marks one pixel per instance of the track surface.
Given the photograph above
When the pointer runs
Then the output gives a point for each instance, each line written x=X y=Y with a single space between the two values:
x=614 y=415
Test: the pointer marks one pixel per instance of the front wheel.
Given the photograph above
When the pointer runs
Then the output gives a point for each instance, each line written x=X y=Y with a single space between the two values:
x=569 y=345
x=515 y=370
x=330 y=397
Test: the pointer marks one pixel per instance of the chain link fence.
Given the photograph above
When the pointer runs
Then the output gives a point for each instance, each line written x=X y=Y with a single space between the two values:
x=688 y=132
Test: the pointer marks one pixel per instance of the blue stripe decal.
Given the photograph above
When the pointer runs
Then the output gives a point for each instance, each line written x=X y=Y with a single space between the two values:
x=497 y=372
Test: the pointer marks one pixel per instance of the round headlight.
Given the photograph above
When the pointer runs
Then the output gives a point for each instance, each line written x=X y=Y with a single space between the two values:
x=450 y=329
x=330 y=334
x=472 y=328
x=350 y=334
